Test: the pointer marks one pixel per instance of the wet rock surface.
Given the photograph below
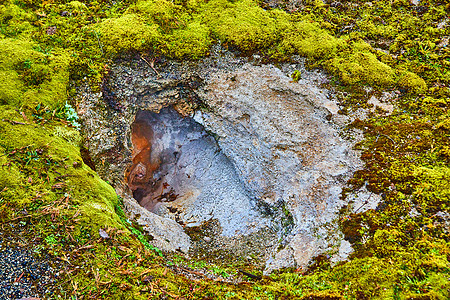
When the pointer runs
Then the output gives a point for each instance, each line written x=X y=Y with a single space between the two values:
x=233 y=141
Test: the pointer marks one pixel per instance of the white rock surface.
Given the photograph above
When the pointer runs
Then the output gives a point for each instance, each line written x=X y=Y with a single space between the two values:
x=167 y=234
x=277 y=134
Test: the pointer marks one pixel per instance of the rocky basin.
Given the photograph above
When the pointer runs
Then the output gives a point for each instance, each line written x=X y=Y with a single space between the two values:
x=229 y=148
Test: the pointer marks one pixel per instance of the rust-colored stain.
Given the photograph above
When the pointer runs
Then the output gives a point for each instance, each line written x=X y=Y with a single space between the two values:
x=147 y=189
x=140 y=174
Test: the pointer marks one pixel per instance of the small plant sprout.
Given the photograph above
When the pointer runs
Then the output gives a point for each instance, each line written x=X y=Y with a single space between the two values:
x=72 y=116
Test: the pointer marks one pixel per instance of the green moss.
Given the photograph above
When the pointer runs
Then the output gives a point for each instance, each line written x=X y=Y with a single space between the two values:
x=128 y=32
x=444 y=124
x=12 y=179
x=30 y=76
x=14 y=53
x=433 y=188
x=412 y=83
x=308 y=39
x=385 y=242
x=296 y=76
x=358 y=65
x=45 y=157
x=241 y=23
x=10 y=87
x=77 y=6
x=165 y=13
x=15 y=21
x=190 y=42
x=374 y=277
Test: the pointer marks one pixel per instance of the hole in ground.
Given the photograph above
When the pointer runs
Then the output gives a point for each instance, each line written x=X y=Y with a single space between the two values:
x=178 y=171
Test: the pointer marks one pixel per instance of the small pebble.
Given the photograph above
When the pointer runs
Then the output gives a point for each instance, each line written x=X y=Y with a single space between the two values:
x=23 y=276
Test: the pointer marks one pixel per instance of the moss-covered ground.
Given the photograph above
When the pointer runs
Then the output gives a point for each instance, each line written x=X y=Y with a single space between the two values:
x=402 y=249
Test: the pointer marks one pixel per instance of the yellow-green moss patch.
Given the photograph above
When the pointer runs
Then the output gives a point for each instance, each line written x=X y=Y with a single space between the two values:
x=308 y=39
x=190 y=42
x=358 y=65
x=242 y=23
x=127 y=32
x=412 y=83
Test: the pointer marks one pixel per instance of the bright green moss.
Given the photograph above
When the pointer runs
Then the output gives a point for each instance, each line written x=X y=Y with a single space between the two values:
x=433 y=187
x=16 y=51
x=412 y=83
x=376 y=30
x=126 y=33
x=296 y=76
x=444 y=124
x=10 y=87
x=360 y=67
x=385 y=242
x=242 y=23
x=11 y=178
x=190 y=42
x=438 y=283
x=162 y=12
x=308 y=39
x=95 y=197
x=15 y=21
x=372 y=277
x=32 y=77
x=77 y=6
x=46 y=167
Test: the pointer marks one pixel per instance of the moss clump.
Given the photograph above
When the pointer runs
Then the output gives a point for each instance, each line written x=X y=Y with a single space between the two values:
x=12 y=54
x=46 y=162
x=128 y=32
x=15 y=21
x=358 y=65
x=164 y=13
x=31 y=76
x=192 y=41
x=308 y=39
x=444 y=124
x=412 y=83
x=296 y=76
x=241 y=23
x=433 y=188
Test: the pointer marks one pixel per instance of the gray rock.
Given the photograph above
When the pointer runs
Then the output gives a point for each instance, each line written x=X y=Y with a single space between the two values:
x=277 y=134
x=283 y=259
x=167 y=234
x=345 y=249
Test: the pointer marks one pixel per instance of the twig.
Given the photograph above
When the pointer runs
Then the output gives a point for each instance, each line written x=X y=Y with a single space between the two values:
x=151 y=65
x=99 y=44
x=18 y=278
x=14 y=122
x=250 y=275
x=384 y=136
x=24 y=116
x=365 y=203
x=16 y=218
x=84 y=247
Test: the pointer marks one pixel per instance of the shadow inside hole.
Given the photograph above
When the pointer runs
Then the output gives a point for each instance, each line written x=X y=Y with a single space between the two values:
x=158 y=142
